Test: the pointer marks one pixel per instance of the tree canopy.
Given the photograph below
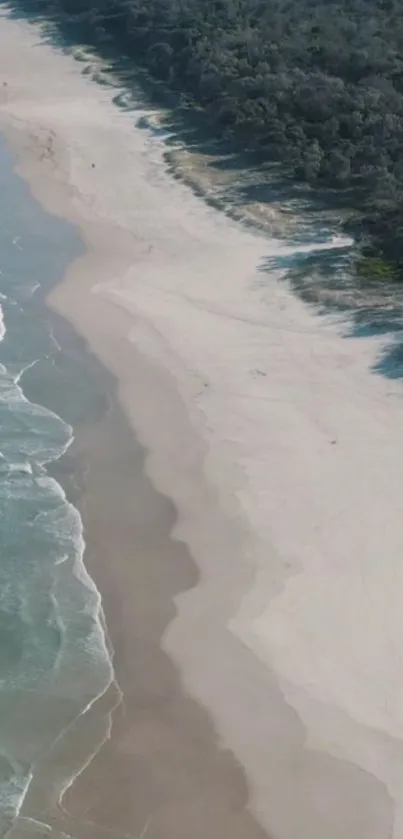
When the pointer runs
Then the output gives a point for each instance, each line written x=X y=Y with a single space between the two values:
x=315 y=84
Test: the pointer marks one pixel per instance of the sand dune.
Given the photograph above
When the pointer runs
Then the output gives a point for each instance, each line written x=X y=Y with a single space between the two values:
x=265 y=425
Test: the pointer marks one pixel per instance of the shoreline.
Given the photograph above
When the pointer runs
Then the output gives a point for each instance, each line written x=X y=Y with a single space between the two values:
x=208 y=778
x=156 y=725
x=300 y=737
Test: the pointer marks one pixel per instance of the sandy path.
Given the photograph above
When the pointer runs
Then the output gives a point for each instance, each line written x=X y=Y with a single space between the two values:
x=280 y=449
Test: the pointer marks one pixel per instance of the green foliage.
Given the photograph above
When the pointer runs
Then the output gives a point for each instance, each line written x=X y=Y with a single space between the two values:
x=314 y=84
x=378 y=269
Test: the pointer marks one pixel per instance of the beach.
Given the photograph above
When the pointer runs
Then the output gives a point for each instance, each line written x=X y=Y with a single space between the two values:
x=241 y=499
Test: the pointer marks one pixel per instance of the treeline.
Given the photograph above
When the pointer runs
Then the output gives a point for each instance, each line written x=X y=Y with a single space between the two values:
x=316 y=84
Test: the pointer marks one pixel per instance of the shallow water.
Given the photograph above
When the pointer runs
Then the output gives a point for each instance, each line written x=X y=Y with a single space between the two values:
x=54 y=660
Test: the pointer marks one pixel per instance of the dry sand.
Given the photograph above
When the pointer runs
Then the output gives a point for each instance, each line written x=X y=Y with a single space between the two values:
x=264 y=425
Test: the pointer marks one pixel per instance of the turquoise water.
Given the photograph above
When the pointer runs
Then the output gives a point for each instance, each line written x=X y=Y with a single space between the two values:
x=53 y=656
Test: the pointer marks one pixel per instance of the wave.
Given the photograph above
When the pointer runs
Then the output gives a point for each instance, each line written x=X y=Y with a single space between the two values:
x=335 y=242
x=2 y=324
x=55 y=657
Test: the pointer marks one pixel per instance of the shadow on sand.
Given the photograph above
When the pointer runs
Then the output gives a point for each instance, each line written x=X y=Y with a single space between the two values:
x=237 y=182
x=326 y=280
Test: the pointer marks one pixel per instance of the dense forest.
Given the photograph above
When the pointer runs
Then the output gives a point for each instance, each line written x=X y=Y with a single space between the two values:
x=315 y=84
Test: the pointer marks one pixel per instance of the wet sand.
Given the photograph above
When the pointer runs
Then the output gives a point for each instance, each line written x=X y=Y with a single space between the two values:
x=227 y=597
x=164 y=772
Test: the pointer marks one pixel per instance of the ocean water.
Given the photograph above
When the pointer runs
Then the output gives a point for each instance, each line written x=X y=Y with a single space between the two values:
x=54 y=659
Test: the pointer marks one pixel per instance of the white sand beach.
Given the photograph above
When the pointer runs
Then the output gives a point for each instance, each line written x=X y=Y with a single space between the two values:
x=280 y=448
